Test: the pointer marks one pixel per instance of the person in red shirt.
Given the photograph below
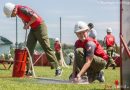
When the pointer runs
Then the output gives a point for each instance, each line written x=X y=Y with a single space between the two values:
x=109 y=41
x=38 y=31
x=90 y=58
x=57 y=48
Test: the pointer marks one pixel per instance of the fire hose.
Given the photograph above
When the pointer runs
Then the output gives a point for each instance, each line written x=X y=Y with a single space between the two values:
x=30 y=57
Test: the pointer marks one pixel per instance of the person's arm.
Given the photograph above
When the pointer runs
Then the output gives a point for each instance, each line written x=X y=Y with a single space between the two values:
x=85 y=67
x=33 y=19
x=30 y=13
x=24 y=22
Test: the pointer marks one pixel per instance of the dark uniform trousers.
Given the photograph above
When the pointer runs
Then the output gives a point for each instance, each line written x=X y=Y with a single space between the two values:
x=96 y=66
x=40 y=34
x=110 y=51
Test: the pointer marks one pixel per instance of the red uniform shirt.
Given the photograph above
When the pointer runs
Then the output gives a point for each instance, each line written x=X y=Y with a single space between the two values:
x=25 y=13
x=57 y=46
x=109 y=40
x=79 y=44
x=98 y=49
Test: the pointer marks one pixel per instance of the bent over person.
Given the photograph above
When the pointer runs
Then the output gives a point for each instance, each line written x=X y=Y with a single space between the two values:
x=38 y=30
x=90 y=58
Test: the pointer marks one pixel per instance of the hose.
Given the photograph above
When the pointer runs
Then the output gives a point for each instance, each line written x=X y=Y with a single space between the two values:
x=30 y=57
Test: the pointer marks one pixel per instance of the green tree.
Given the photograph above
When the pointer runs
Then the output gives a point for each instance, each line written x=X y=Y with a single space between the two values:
x=39 y=48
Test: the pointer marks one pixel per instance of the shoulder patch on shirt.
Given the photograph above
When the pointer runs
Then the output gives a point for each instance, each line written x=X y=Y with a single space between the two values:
x=89 y=48
x=27 y=11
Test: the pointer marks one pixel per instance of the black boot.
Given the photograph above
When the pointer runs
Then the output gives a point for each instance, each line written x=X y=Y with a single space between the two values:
x=107 y=66
x=114 y=66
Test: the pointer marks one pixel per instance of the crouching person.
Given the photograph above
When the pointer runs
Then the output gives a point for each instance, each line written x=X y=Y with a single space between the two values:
x=90 y=58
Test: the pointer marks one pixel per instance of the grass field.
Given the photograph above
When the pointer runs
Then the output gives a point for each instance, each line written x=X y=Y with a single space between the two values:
x=9 y=83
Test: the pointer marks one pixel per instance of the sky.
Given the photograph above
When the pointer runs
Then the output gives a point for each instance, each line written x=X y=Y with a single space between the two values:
x=102 y=13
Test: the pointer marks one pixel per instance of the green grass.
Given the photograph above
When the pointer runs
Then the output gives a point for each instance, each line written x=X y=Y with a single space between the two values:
x=9 y=83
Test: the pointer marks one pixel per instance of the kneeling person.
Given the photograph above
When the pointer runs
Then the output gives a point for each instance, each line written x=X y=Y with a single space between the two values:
x=90 y=58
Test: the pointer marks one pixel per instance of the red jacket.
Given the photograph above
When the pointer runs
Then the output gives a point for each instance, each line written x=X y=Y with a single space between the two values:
x=109 y=40
x=99 y=51
x=25 y=13
x=57 y=46
x=79 y=44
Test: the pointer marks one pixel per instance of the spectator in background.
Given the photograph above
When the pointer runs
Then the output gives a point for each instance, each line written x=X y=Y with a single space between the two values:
x=92 y=32
x=109 y=41
x=57 y=48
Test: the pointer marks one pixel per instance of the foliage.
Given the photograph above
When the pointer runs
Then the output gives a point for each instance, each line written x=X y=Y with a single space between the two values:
x=12 y=50
x=67 y=46
x=52 y=43
x=38 y=47
x=101 y=43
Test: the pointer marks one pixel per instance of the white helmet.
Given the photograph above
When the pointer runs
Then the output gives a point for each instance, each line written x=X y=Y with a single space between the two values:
x=93 y=33
x=56 y=39
x=109 y=30
x=81 y=26
x=8 y=9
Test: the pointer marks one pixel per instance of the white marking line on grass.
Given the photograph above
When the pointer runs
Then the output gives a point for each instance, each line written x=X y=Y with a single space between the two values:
x=53 y=81
x=56 y=81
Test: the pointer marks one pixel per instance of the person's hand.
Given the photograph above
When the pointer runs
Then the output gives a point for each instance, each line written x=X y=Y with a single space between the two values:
x=77 y=79
x=26 y=27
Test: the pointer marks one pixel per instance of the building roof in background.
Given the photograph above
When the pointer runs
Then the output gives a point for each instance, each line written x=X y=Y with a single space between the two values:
x=4 y=41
